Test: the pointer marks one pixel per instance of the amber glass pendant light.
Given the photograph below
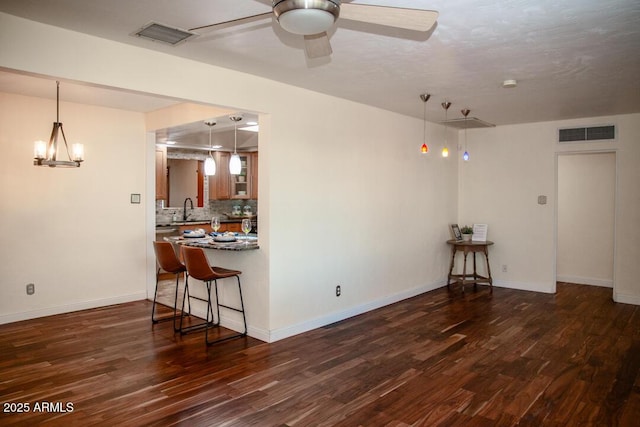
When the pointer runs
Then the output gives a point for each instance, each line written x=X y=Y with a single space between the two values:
x=445 y=149
x=424 y=149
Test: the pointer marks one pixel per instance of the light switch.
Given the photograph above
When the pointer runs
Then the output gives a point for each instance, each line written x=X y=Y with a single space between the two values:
x=542 y=200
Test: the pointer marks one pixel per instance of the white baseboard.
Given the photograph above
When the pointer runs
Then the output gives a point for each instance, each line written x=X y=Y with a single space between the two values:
x=318 y=322
x=586 y=281
x=525 y=286
x=626 y=298
x=84 y=305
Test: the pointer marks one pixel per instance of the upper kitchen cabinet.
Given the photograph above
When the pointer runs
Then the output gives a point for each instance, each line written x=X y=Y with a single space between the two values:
x=220 y=183
x=224 y=186
x=161 y=173
x=241 y=184
x=254 y=175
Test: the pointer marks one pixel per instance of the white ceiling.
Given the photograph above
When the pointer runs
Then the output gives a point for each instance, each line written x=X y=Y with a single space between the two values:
x=571 y=58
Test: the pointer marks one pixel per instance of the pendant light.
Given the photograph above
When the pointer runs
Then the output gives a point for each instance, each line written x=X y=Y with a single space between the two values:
x=424 y=149
x=465 y=113
x=210 y=163
x=47 y=154
x=235 y=165
x=445 y=149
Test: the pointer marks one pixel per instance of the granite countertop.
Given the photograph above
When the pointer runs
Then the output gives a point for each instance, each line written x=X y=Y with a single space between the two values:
x=208 y=243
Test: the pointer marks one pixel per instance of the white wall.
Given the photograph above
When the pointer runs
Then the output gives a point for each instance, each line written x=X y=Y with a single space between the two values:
x=586 y=198
x=72 y=232
x=343 y=200
x=512 y=165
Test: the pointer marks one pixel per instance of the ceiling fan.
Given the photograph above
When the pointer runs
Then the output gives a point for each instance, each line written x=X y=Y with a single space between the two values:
x=312 y=19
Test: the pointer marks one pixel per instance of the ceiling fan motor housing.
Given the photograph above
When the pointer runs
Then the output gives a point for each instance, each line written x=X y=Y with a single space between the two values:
x=306 y=17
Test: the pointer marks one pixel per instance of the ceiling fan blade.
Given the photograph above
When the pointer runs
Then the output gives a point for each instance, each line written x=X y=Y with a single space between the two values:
x=226 y=24
x=317 y=45
x=409 y=19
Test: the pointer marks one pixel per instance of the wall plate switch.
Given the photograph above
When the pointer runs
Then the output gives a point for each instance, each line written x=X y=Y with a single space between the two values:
x=338 y=291
x=31 y=288
x=542 y=200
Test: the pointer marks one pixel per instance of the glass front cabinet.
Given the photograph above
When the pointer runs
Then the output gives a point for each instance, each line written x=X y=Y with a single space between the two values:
x=224 y=186
x=241 y=184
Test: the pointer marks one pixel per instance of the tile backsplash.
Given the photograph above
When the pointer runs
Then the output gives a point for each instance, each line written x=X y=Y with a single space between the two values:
x=212 y=208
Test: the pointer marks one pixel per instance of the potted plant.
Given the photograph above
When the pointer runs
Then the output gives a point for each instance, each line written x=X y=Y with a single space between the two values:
x=466 y=233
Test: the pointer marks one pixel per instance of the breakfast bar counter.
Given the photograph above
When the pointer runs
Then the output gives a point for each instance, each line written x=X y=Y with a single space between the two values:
x=240 y=244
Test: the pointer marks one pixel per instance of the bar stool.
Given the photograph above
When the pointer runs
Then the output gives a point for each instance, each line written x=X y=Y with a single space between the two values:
x=198 y=267
x=169 y=262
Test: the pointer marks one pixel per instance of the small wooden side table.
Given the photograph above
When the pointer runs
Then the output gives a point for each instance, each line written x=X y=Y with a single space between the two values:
x=464 y=278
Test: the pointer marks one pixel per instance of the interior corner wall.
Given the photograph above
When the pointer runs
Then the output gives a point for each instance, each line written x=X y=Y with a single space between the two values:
x=71 y=232
x=512 y=165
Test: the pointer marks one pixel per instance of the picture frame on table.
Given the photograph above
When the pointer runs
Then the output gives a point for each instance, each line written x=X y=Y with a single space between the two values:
x=455 y=232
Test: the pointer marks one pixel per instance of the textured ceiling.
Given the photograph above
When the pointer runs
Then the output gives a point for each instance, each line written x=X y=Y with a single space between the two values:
x=571 y=58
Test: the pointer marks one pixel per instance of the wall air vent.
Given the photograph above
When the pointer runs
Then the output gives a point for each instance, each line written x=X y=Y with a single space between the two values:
x=594 y=133
x=162 y=33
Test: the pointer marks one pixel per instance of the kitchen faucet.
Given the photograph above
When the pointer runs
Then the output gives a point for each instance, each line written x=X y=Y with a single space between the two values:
x=184 y=208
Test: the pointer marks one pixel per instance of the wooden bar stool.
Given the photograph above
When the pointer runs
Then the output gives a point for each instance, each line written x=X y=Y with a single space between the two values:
x=198 y=267
x=169 y=262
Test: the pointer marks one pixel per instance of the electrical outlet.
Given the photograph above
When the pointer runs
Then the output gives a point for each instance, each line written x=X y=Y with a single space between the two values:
x=31 y=288
x=338 y=291
x=504 y=268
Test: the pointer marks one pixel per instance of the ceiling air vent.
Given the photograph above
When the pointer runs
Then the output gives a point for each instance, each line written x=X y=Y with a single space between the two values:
x=162 y=33
x=594 y=133
x=469 y=123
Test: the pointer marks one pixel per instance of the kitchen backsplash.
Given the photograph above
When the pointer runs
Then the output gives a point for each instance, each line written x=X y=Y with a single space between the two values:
x=214 y=208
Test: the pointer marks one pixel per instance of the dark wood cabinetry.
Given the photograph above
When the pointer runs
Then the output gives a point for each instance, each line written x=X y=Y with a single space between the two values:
x=161 y=173
x=224 y=186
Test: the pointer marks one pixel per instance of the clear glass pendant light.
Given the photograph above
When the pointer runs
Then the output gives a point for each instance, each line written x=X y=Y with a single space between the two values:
x=210 y=163
x=235 y=165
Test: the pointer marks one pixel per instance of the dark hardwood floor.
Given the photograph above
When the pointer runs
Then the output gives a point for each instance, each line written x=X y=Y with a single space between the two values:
x=439 y=359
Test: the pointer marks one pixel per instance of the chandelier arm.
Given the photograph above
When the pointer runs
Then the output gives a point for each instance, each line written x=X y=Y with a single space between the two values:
x=66 y=146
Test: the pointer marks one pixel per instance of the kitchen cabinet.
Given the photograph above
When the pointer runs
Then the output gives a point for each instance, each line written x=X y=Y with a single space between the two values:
x=161 y=173
x=220 y=183
x=224 y=186
x=254 y=176
x=241 y=184
x=235 y=227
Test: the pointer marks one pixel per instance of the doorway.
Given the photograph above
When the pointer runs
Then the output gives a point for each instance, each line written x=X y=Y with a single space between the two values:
x=586 y=190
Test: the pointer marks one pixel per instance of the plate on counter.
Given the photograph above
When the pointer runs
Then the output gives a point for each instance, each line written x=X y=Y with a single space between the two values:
x=193 y=234
x=224 y=238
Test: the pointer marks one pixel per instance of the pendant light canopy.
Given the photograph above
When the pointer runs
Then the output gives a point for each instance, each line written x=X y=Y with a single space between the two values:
x=210 y=163
x=465 y=113
x=445 y=149
x=235 y=165
x=47 y=154
x=424 y=149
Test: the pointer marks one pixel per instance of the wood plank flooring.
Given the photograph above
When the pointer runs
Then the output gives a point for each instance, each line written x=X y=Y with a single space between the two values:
x=439 y=359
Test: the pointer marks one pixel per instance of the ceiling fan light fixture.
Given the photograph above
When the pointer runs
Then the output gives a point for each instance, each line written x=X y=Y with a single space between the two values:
x=306 y=17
